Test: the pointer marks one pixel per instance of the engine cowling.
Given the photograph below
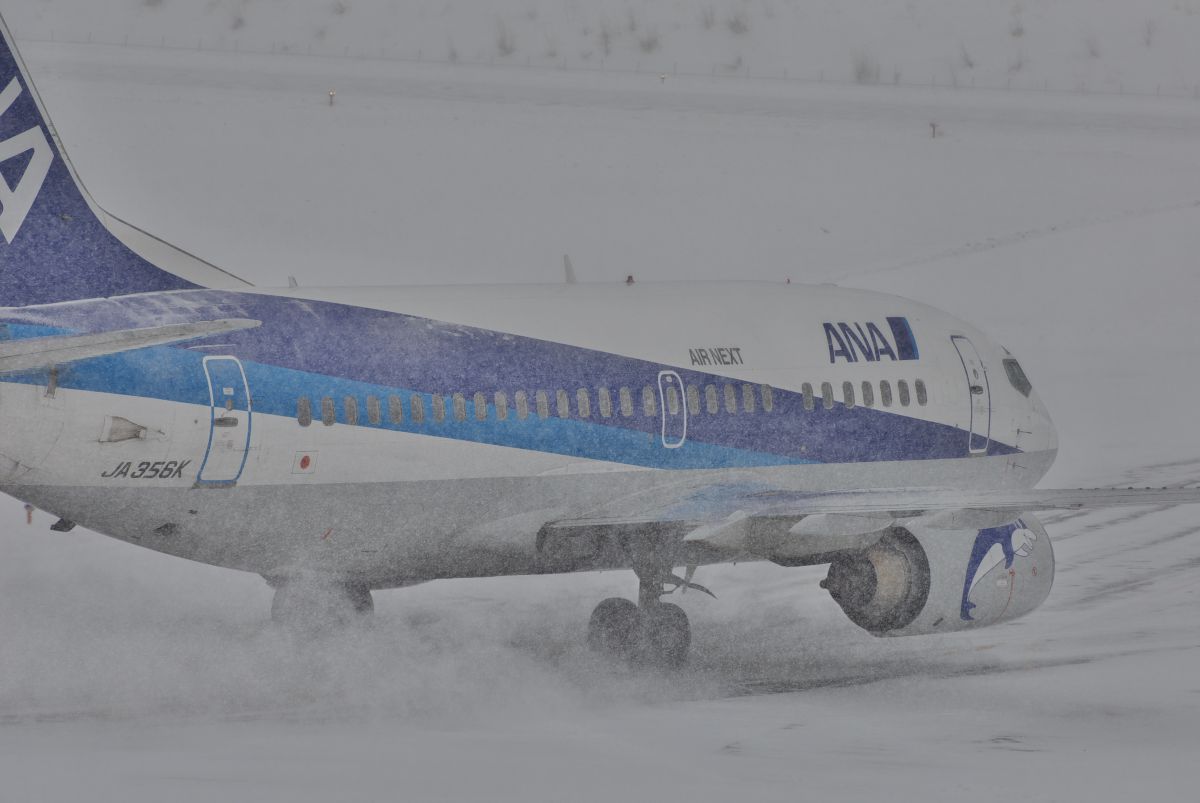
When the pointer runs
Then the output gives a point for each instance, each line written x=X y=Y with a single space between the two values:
x=917 y=580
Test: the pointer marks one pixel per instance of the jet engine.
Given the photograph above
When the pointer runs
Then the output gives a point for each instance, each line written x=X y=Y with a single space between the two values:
x=918 y=579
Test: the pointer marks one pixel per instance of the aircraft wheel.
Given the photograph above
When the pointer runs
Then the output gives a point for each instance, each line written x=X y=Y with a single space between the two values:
x=658 y=635
x=612 y=630
x=361 y=599
x=309 y=605
x=664 y=636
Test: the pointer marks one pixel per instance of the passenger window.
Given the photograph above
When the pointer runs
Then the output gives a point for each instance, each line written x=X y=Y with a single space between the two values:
x=328 y=412
x=480 y=402
x=885 y=393
x=693 y=397
x=543 y=404
x=417 y=409
x=395 y=411
x=626 y=402
x=748 y=403
x=922 y=393
x=730 y=399
x=439 y=407
x=522 y=404
x=902 y=390
x=563 y=403
x=768 y=398
x=304 y=411
x=848 y=394
x=649 y=401
x=672 y=400
x=827 y=395
x=807 y=390
x=605 y=399
x=351 y=406
x=460 y=407
x=583 y=403
x=868 y=390
x=710 y=400
x=501 y=405
x=374 y=411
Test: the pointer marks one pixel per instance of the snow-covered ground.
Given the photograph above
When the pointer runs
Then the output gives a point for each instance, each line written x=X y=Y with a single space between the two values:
x=1096 y=45
x=1066 y=224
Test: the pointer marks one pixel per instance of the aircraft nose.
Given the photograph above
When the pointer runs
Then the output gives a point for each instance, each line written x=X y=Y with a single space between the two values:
x=1044 y=429
x=1051 y=433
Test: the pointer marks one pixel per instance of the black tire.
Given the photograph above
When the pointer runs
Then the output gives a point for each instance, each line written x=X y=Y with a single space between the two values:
x=308 y=606
x=613 y=627
x=664 y=636
x=360 y=598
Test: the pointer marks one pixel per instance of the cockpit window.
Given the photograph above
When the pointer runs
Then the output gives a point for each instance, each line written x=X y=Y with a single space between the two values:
x=1017 y=377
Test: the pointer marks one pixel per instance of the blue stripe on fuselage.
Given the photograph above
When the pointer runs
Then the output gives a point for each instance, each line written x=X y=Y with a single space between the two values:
x=177 y=375
x=322 y=349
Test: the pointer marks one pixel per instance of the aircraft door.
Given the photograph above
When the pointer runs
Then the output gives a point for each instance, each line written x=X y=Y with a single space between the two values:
x=673 y=402
x=229 y=432
x=981 y=395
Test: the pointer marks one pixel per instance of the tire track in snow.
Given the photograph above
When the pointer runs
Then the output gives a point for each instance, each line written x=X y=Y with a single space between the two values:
x=762 y=686
x=1019 y=237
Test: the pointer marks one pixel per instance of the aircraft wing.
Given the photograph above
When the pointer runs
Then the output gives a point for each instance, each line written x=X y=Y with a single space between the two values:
x=742 y=519
x=34 y=353
x=910 y=502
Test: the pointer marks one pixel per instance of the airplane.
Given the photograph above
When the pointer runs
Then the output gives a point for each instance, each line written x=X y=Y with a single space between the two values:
x=338 y=441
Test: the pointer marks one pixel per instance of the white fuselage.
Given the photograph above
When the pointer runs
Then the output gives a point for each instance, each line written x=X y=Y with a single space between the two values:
x=394 y=505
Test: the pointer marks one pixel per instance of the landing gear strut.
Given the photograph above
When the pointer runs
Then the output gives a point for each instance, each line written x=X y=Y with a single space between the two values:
x=649 y=632
x=316 y=603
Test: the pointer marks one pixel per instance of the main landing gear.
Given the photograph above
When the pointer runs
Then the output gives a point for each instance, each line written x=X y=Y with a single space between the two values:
x=649 y=632
x=310 y=603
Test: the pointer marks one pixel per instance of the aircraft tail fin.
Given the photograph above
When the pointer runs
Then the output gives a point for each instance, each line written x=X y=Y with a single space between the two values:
x=56 y=243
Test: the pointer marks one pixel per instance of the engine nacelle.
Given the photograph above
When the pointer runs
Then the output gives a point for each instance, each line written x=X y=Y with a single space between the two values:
x=918 y=580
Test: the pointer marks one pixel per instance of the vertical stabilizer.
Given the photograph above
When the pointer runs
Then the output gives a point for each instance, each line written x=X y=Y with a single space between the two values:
x=56 y=244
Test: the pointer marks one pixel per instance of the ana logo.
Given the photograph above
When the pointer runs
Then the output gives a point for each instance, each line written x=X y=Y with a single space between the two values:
x=866 y=341
x=16 y=201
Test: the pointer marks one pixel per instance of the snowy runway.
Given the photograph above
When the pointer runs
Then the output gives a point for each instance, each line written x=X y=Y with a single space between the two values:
x=1066 y=225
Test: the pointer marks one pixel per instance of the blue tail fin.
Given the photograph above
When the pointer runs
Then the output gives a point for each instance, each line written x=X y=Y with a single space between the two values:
x=56 y=244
